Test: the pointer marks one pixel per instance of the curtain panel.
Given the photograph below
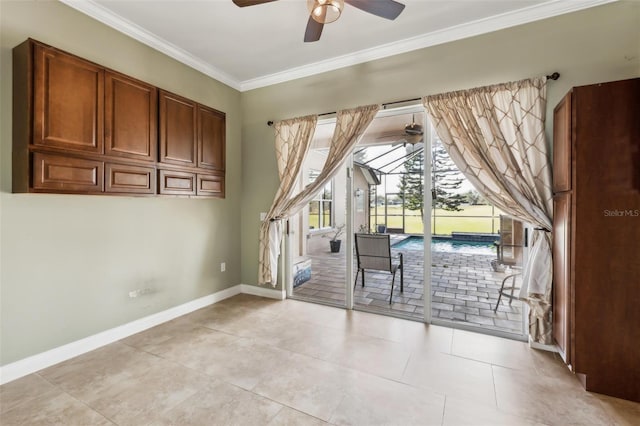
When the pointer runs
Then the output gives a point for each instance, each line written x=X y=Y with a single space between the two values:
x=350 y=126
x=293 y=138
x=495 y=136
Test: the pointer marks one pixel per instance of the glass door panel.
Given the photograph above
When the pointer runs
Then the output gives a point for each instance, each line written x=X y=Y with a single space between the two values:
x=467 y=273
x=388 y=170
x=318 y=265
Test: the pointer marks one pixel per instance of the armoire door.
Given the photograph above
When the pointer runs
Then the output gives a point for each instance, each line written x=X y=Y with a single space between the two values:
x=562 y=274
x=562 y=145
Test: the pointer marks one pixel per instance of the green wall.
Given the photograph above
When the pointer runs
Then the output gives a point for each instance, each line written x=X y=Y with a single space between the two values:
x=68 y=263
x=594 y=45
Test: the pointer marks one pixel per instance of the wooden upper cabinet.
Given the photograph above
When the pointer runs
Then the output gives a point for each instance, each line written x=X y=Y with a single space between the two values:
x=211 y=138
x=173 y=182
x=59 y=173
x=130 y=118
x=210 y=185
x=562 y=145
x=68 y=102
x=178 y=117
x=122 y=178
x=82 y=128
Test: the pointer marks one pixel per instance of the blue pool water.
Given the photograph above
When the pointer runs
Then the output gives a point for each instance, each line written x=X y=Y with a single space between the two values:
x=469 y=247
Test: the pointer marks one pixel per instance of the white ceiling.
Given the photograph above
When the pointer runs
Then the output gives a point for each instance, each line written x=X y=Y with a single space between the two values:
x=261 y=45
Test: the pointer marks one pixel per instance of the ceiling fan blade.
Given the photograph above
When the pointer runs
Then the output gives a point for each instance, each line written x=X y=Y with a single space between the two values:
x=313 y=31
x=390 y=135
x=388 y=9
x=245 y=3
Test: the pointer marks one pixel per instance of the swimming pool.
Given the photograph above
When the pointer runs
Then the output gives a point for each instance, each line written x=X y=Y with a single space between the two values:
x=448 y=245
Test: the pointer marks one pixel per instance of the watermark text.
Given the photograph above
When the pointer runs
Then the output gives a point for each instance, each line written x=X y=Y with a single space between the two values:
x=621 y=213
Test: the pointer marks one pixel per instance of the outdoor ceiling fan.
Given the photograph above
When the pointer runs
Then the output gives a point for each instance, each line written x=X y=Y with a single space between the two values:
x=326 y=11
x=414 y=131
x=411 y=134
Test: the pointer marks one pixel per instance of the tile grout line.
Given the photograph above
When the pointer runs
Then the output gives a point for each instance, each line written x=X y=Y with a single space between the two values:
x=495 y=392
x=335 y=409
x=220 y=379
x=444 y=410
x=76 y=399
x=413 y=353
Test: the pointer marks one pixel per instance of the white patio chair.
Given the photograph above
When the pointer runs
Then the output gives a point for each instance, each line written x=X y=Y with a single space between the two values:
x=374 y=254
x=507 y=291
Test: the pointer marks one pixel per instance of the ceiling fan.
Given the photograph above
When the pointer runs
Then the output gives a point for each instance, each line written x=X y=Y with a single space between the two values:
x=411 y=134
x=326 y=11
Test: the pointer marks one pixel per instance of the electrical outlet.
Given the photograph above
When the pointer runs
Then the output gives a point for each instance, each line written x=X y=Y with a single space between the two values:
x=263 y=216
x=223 y=267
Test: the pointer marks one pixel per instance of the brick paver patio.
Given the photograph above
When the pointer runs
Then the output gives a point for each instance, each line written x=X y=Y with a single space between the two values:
x=464 y=289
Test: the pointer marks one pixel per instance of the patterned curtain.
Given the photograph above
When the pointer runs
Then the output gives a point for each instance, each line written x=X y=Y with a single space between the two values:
x=495 y=136
x=293 y=138
x=350 y=125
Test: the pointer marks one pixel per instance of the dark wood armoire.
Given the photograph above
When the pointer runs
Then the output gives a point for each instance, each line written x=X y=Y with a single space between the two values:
x=596 y=235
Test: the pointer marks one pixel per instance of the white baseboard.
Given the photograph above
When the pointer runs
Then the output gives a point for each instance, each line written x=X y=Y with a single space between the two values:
x=34 y=363
x=540 y=346
x=269 y=292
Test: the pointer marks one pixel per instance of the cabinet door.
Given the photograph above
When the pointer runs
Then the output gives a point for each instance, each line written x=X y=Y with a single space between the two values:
x=211 y=185
x=68 y=102
x=127 y=179
x=130 y=118
x=562 y=274
x=66 y=174
x=211 y=138
x=177 y=130
x=562 y=145
x=177 y=183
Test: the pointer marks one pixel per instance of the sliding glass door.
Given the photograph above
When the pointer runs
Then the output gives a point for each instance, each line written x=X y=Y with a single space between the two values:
x=400 y=187
x=388 y=199
x=317 y=235
x=378 y=192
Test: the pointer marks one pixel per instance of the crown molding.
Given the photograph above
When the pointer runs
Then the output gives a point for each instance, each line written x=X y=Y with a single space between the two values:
x=494 y=23
x=117 y=22
x=459 y=32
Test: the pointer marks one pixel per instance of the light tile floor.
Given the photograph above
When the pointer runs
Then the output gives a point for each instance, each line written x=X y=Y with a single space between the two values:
x=464 y=289
x=254 y=361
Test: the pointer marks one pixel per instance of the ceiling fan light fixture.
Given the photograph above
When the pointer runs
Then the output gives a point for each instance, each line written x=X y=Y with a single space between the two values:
x=325 y=11
x=413 y=128
x=413 y=139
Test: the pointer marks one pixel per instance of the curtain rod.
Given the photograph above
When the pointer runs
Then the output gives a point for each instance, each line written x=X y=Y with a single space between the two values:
x=553 y=76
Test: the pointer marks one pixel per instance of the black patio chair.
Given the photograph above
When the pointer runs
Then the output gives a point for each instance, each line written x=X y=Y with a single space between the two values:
x=374 y=254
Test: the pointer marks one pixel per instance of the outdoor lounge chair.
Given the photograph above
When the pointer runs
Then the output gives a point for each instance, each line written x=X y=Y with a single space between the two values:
x=374 y=254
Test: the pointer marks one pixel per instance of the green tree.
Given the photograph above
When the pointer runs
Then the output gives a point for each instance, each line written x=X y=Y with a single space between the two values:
x=445 y=180
x=474 y=198
x=411 y=186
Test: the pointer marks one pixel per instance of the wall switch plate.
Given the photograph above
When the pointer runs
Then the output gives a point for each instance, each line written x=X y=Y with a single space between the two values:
x=263 y=216
x=223 y=267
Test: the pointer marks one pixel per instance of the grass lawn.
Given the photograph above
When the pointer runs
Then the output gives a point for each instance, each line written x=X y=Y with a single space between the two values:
x=444 y=221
